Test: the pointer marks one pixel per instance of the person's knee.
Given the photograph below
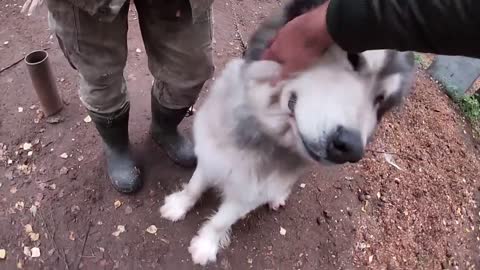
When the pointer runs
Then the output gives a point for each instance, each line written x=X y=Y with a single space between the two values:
x=103 y=92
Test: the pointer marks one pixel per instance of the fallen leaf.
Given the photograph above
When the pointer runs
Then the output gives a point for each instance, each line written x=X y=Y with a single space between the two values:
x=19 y=205
x=87 y=119
x=28 y=228
x=3 y=254
x=20 y=109
x=283 y=231
x=25 y=169
x=35 y=252
x=34 y=236
x=33 y=210
x=152 y=229
x=64 y=155
x=120 y=229
x=117 y=204
x=390 y=160
x=27 y=146
x=55 y=119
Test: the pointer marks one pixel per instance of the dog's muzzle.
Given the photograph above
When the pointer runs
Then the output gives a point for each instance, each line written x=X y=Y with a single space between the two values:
x=342 y=146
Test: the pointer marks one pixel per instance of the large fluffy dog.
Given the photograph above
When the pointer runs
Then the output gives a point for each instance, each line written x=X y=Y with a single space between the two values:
x=254 y=140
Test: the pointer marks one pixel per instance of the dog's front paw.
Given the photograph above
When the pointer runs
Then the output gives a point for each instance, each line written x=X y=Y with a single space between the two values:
x=275 y=205
x=203 y=250
x=176 y=206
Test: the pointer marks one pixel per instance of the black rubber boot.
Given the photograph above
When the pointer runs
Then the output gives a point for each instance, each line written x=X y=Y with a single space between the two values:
x=122 y=170
x=165 y=133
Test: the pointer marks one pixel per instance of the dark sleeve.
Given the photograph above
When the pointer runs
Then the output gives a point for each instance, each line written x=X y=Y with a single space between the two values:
x=450 y=27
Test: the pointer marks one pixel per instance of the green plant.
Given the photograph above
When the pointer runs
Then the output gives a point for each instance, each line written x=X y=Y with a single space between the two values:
x=470 y=106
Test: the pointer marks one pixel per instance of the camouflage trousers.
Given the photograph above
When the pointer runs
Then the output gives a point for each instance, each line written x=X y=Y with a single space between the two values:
x=179 y=51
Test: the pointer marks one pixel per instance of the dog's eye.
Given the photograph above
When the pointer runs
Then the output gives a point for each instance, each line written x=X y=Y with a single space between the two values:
x=354 y=60
x=379 y=99
x=292 y=101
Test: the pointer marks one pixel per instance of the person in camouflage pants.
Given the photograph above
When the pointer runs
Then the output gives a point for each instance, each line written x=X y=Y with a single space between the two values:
x=177 y=35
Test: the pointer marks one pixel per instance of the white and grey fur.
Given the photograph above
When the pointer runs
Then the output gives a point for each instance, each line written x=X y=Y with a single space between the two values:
x=254 y=140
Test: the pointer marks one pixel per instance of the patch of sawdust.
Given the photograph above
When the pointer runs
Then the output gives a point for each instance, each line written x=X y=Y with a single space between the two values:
x=426 y=216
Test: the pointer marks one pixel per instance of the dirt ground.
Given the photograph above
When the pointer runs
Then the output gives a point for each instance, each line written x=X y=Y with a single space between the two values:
x=411 y=204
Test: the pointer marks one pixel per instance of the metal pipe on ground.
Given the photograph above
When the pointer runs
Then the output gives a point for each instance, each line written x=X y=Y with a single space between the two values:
x=44 y=82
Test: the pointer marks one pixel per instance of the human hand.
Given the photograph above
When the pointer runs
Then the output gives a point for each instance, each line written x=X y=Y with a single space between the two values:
x=300 y=42
x=31 y=5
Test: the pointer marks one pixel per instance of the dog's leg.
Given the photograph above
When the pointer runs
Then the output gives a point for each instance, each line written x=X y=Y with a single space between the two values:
x=279 y=193
x=279 y=200
x=179 y=203
x=215 y=232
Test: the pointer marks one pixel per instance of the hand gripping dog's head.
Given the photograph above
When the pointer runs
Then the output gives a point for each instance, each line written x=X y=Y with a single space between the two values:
x=335 y=105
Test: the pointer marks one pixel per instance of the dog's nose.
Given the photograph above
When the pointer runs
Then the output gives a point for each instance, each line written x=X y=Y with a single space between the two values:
x=345 y=146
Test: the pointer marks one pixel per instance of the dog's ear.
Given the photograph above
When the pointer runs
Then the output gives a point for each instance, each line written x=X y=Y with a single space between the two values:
x=396 y=79
x=262 y=71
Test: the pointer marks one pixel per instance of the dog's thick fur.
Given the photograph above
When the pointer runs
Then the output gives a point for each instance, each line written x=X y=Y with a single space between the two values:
x=254 y=140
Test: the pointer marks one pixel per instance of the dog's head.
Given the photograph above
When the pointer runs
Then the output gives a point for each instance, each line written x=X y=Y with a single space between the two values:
x=335 y=106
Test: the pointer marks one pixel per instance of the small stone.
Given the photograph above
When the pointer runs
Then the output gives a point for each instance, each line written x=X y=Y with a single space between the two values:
x=138 y=50
x=3 y=254
x=117 y=204
x=302 y=185
x=33 y=107
x=74 y=209
x=128 y=210
x=80 y=158
x=63 y=171
x=87 y=119
x=120 y=230
x=52 y=186
x=283 y=231
x=27 y=251
x=27 y=146
x=20 y=109
x=30 y=153
x=35 y=252
x=370 y=259
x=152 y=229
x=5 y=43
x=13 y=190
x=64 y=155
x=19 y=265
